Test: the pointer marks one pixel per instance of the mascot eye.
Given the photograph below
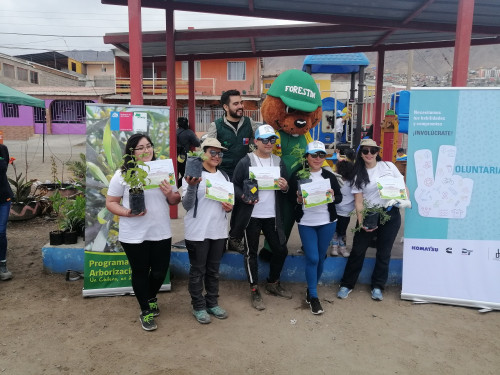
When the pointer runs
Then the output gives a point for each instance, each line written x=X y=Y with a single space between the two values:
x=290 y=110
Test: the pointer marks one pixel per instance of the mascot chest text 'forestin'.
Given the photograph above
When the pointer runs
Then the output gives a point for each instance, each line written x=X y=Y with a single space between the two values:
x=292 y=107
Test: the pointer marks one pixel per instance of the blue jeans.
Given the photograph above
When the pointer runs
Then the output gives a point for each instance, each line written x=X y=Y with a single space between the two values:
x=4 y=217
x=315 y=241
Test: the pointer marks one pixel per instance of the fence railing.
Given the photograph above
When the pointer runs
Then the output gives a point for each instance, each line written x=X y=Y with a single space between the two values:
x=158 y=86
x=205 y=116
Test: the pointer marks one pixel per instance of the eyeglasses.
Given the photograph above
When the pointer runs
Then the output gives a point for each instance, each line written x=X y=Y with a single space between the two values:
x=371 y=150
x=320 y=155
x=220 y=154
x=265 y=141
x=142 y=148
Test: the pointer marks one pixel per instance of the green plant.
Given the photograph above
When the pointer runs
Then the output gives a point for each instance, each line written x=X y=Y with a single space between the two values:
x=58 y=202
x=73 y=214
x=299 y=154
x=136 y=175
x=369 y=210
x=21 y=186
x=79 y=170
x=197 y=154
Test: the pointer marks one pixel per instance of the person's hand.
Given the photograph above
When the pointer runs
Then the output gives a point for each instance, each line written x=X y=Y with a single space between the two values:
x=129 y=213
x=165 y=188
x=253 y=202
x=300 y=200
x=282 y=183
x=228 y=207
x=192 y=180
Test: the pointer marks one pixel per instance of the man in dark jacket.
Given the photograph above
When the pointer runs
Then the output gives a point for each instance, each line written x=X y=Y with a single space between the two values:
x=234 y=131
x=186 y=139
x=249 y=218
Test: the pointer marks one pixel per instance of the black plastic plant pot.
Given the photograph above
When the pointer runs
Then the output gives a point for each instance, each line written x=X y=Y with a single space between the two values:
x=370 y=221
x=56 y=237
x=250 y=190
x=70 y=238
x=136 y=202
x=194 y=166
x=301 y=182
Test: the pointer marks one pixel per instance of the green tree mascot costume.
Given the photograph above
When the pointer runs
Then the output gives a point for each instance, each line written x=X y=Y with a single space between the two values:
x=292 y=107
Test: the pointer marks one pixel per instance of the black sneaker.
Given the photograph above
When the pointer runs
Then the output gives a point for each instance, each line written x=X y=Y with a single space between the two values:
x=316 y=307
x=148 y=321
x=257 y=301
x=153 y=306
x=234 y=244
x=308 y=299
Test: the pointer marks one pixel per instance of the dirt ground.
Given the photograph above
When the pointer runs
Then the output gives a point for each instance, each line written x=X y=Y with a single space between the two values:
x=46 y=327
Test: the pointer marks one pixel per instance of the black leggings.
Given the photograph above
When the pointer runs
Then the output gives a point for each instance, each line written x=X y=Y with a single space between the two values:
x=149 y=263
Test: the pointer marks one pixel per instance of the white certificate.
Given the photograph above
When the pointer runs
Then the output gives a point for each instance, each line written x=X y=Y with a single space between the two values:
x=316 y=193
x=267 y=177
x=159 y=170
x=391 y=187
x=220 y=190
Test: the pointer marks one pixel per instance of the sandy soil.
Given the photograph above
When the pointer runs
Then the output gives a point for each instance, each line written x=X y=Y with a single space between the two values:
x=46 y=327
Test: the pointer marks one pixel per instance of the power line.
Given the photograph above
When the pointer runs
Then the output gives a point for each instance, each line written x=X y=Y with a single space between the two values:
x=59 y=36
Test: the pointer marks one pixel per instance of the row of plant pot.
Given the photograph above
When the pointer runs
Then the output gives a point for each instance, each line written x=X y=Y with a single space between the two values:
x=68 y=237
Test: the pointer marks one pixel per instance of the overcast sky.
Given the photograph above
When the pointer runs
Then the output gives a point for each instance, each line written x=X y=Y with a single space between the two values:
x=64 y=25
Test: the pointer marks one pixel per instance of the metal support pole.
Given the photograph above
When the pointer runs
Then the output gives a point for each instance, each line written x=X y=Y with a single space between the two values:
x=135 y=42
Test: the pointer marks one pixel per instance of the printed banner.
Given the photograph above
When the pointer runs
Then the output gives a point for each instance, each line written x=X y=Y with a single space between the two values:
x=451 y=253
x=106 y=267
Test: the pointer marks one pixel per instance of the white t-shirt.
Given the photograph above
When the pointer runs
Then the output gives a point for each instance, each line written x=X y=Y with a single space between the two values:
x=339 y=125
x=345 y=207
x=154 y=225
x=211 y=219
x=370 y=191
x=265 y=208
x=317 y=215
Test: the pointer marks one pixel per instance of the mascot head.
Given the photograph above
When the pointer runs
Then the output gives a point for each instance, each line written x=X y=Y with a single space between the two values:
x=293 y=103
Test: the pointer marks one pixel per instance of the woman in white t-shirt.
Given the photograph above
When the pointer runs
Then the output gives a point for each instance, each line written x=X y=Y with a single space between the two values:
x=146 y=238
x=205 y=230
x=316 y=224
x=368 y=169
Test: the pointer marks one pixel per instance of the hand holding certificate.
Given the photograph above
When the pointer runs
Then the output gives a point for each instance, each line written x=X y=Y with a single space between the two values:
x=316 y=193
x=267 y=177
x=219 y=190
x=391 y=187
x=160 y=170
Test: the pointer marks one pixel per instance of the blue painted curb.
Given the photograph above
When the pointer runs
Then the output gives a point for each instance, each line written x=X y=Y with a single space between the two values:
x=232 y=268
x=60 y=259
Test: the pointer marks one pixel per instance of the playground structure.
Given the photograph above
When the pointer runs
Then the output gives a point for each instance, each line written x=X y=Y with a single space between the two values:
x=358 y=113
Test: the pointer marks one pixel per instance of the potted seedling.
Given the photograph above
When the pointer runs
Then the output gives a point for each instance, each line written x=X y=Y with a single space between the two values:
x=25 y=204
x=58 y=202
x=250 y=188
x=50 y=187
x=304 y=174
x=194 y=164
x=373 y=215
x=136 y=177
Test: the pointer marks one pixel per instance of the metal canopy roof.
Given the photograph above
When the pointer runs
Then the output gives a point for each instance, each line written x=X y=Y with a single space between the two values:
x=337 y=64
x=345 y=27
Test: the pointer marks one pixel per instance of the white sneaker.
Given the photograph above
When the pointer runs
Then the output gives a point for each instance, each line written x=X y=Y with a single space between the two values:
x=335 y=250
x=345 y=253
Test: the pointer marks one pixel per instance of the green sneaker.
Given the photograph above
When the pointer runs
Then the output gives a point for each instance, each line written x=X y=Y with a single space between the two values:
x=153 y=306
x=202 y=316
x=148 y=321
x=218 y=312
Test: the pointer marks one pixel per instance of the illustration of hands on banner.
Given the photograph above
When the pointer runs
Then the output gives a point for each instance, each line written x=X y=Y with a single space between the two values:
x=444 y=195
